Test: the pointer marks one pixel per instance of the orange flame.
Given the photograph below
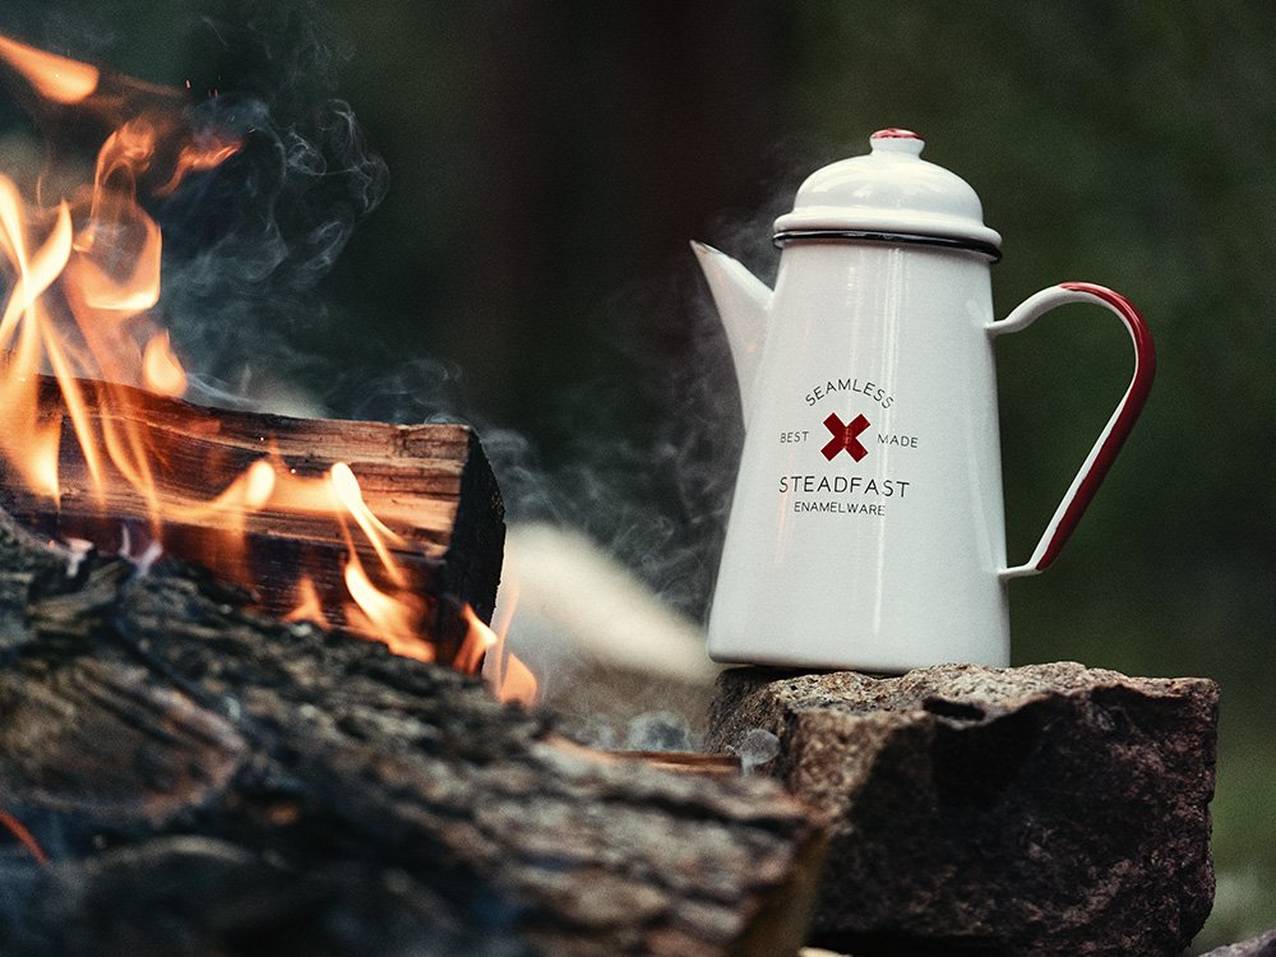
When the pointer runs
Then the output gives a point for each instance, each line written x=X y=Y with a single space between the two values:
x=54 y=77
x=309 y=606
x=394 y=620
x=196 y=157
x=348 y=493
x=86 y=276
x=161 y=370
x=484 y=648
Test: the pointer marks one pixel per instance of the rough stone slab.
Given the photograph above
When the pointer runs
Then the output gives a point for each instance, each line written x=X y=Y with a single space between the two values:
x=1049 y=809
x=1261 y=946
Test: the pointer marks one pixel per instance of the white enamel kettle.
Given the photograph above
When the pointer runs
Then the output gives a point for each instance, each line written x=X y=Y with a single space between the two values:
x=867 y=527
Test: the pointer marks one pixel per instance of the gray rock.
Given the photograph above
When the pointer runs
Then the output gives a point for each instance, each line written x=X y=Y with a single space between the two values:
x=1049 y=809
x=1263 y=946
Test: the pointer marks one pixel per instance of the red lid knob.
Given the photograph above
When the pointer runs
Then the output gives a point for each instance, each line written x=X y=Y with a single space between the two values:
x=894 y=133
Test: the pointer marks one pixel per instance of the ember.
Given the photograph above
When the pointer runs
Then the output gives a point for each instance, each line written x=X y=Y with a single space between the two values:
x=86 y=278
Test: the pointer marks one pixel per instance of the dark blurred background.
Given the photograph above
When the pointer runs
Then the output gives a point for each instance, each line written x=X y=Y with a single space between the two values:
x=525 y=265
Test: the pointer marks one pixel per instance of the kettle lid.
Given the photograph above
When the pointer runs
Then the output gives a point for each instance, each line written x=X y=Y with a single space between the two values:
x=893 y=195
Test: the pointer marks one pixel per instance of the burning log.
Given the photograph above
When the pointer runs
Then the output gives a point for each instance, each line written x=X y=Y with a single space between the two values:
x=430 y=485
x=207 y=780
x=352 y=524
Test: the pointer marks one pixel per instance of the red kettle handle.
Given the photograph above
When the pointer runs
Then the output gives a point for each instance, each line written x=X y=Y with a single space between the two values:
x=1104 y=453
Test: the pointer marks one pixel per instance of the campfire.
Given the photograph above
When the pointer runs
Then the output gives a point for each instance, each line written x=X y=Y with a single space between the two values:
x=236 y=706
x=348 y=525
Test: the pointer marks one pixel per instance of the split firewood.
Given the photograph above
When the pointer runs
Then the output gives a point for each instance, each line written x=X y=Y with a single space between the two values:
x=207 y=780
x=431 y=485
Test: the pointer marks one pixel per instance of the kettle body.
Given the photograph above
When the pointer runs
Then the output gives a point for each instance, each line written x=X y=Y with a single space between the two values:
x=867 y=528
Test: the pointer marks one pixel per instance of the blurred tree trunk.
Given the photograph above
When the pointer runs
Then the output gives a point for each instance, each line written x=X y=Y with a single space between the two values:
x=610 y=135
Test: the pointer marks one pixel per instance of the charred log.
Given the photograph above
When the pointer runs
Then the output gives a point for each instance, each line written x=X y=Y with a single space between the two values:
x=206 y=780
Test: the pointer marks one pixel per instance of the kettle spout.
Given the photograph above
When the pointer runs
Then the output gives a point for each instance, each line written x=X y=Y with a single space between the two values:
x=744 y=304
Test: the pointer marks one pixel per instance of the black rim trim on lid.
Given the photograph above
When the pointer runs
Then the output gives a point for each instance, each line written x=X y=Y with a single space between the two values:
x=873 y=235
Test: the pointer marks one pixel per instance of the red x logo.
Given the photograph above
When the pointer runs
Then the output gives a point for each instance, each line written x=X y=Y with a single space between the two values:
x=845 y=437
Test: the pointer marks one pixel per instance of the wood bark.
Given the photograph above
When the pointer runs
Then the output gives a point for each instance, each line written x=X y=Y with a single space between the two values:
x=209 y=781
x=429 y=483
